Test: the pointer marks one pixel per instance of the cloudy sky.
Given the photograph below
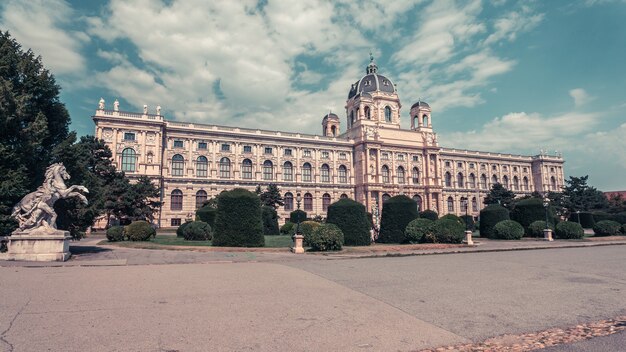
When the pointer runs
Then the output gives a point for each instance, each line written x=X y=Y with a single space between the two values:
x=500 y=75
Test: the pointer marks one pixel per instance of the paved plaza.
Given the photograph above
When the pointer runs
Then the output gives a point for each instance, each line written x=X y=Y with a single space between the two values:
x=282 y=302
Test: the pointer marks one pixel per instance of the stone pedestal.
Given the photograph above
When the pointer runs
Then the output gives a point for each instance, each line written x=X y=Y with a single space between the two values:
x=297 y=248
x=468 y=238
x=40 y=247
x=547 y=235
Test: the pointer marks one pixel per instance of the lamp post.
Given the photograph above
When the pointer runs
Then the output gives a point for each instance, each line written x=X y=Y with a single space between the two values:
x=547 y=233
x=297 y=237
x=578 y=216
x=298 y=200
x=468 y=232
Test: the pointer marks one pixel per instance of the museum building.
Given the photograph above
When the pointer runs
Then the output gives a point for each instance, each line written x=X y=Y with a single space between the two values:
x=372 y=160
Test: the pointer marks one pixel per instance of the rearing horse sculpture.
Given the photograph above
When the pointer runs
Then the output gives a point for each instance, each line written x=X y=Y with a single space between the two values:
x=36 y=209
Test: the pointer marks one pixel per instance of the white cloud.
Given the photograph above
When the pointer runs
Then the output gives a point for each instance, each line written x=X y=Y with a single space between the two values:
x=39 y=25
x=580 y=97
x=513 y=23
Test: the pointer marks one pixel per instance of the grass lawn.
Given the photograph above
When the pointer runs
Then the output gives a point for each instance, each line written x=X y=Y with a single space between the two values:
x=172 y=240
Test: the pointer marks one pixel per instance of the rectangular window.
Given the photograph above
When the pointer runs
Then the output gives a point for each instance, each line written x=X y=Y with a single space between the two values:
x=288 y=152
x=385 y=156
x=416 y=158
x=447 y=164
x=325 y=155
x=459 y=164
x=247 y=149
x=525 y=170
x=471 y=165
x=268 y=150
x=307 y=153
x=175 y=222
x=401 y=157
x=129 y=136
x=342 y=156
x=178 y=144
x=202 y=145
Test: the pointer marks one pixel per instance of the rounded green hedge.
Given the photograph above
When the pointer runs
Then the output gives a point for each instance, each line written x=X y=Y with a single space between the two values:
x=270 y=221
x=419 y=230
x=453 y=217
x=197 y=231
x=326 y=237
x=529 y=210
x=429 y=214
x=181 y=228
x=569 y=230
x=115 y=234
x=535 y=229
x=490 y=216
x=287 y=228
x=206 y=214
x=448 y=231
x=351 y=218
x=306 y=229
x=296 y=215
x=139 y=231
x=238 y=222
x=586 y=219
x=397 y=213
x=508 y=230
x=468 y=221
x=607 y=228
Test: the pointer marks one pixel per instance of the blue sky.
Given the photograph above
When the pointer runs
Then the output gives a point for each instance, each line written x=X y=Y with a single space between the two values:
x=500 y=75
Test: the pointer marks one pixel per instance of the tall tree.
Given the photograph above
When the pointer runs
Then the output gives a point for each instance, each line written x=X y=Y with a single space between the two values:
x=271 y=196
x=32 y=123
x=500 y=195
x=580 y=196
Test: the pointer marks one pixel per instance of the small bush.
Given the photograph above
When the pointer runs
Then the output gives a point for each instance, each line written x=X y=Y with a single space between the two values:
x=270 y=221
x=419 y=230
x=207 y=214
x=326 y=237
x=569 y=230
x=535 y=229
x=197 y=231
x=508 y=230
x=287 y=228
x=453 y=217
x=397 y=213
x=429 y=214
x=238 y=222
x=351 y=218
x=448 y=231
x=115 y=234
x=490 y=216
x=606 y=228
x=139 y=231
x=468 y=221
x=586 y=219
x=297 y=214
x=181 y=228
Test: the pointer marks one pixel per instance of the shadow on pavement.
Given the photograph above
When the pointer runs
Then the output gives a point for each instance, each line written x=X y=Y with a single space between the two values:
x=88 y=249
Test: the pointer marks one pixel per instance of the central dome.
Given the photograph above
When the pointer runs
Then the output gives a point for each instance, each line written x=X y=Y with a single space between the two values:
x=372 y=82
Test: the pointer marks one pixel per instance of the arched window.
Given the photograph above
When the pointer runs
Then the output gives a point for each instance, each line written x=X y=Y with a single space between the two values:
x=288 y=200
x=472 y=181
x=494 y=179
x=268 y=170
x=343 y=174
x=505 y=181
x=483 y=181
x=308 y=202
x=385 y=172
x=515 y=183
x=325 y=173
x=400 y=174
x=387 y=114
x=333 y=130
x=201 y=197
x=178 y=163
x=176 y=200
x=418 y=200
x=246 y=169
x=202 y=165
x=464 y=204
x=351 y=122
x=287 y=171
x=415 y=176
x=325 y=201
x=128 y=160
x=447 y=179
x=553 y=183
x=460 y=181
x=343 y=196
x=386 y=197
x=425 y=120
x=525 y=181
x=306 y=172
x=225 y=168
x=474 y=204
x=450 y=205
x=367 y=113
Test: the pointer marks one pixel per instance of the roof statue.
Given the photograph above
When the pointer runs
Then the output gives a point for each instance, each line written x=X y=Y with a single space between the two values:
x=101 y=104
x=116 y=105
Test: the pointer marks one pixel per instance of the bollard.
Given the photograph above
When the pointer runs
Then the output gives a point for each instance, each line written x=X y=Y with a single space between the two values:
x=547 y=235
x=468 y=238
x=297 y=244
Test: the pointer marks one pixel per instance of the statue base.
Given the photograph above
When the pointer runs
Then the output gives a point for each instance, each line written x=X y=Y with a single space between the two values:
x=38 y=246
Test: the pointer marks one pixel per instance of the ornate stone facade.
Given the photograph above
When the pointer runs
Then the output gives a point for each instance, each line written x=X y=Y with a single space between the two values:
x=372 y=160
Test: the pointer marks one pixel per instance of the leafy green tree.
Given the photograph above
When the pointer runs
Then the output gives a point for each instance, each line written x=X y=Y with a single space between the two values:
x=500 y=195
x=577 y=195
x=271 y=197
x=32 y=123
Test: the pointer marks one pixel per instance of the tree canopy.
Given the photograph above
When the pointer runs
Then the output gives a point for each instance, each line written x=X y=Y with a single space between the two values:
x=500 y=195
x=577 y=195
x=271 y=196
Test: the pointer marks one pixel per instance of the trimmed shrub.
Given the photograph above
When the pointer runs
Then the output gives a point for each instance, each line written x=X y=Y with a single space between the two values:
x=139 y=231
x=586 y=219
x=607 y=228
x=569 y=230
x=453 y=217
x=351 y=218
x=601 y=215
x=238 y=222
x=624 y=229
x=490 y=216
x=429 y=214
x=115 y=233
x=207 y=214
x=448 y=231
x=270 y=221
x=287 y=228
x=197 y=231
x=398 y=212
x=181 y=228
x=326 y=237
x=419 y=230
x=529 y=210
x=297 y=214
x=535 y=229
x=468 y=221
x=306 y=229
x=620 y=217
x=508 y=230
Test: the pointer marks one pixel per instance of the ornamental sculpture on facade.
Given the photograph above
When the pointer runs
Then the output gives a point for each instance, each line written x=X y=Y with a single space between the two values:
x=36 y=210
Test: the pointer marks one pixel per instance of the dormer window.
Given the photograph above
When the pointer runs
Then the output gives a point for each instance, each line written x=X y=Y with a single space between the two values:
x=385 y=83
x=367 y=83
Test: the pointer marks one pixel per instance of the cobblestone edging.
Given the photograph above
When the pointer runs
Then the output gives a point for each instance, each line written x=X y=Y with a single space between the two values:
x=542 y=339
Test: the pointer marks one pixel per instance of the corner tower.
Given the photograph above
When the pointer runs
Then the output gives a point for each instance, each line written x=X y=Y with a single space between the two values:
x=330 y=125
x=421 y=117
